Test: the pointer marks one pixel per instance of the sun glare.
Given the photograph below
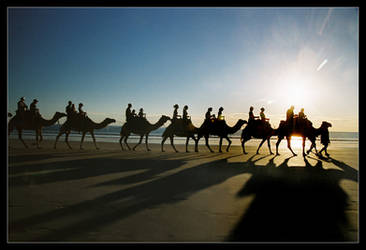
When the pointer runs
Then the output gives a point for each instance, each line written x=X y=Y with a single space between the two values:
x=295 y=89
x=296 y=142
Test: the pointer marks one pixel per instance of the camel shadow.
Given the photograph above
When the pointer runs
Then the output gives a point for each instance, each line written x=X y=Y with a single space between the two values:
x=290 y=204
x=295 y=204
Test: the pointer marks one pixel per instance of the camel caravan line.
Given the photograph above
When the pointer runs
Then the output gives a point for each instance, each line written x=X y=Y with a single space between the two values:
x=182 y=126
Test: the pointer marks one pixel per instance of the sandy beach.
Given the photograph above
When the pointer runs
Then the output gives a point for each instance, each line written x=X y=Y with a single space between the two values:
x=109 y=195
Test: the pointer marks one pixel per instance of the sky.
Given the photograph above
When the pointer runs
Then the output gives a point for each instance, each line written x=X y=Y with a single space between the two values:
x=154 y=58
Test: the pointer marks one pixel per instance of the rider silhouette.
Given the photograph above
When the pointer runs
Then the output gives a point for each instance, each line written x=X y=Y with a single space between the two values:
x=175 y=113
x=141 y=113
x=219 y=115
x=68 y=109
x=208 y=115
x=290 y=117
x=251 y=115
x=128 y=112
x=22 y=108
x=263 y=116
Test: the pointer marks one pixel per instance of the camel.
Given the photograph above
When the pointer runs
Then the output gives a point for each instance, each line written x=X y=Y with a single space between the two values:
x=81 y=124
x=305 y=130
x=259 y=130
x=179 y=128
x=28 y=122
x=219 y=128
x=142 y=127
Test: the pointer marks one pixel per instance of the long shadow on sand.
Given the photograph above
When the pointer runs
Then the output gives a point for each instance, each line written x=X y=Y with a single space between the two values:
x=295 y=204
x=290 y=204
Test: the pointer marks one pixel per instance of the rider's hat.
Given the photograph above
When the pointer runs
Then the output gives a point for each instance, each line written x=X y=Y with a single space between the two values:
x=35 y=100
x=176 y=106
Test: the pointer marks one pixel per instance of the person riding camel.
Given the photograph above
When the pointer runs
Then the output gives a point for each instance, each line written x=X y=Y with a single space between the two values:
x=68 y=109
x=81 y=112
x=219 y=114
x=128 y=112
x=141 y=113
x=251 y=115
x=263 y=116
x=185 y=114
x=133 y=113
x=34 y=110
x=22 y=108
x=301 y=117
x=175 y=113
x=208 y=115
x=290 y=118
x=302 y=114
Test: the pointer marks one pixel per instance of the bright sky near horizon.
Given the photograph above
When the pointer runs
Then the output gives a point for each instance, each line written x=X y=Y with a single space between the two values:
x=200 y=57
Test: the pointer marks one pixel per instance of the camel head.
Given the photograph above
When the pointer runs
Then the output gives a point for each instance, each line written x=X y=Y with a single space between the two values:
x=9 y=114
x=59 y=115
x=109 y=120
x=164 y=118
x=325 y=125
x=242 y=122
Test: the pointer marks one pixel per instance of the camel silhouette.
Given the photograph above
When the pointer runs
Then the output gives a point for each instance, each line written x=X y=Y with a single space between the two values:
x=142 y=127
x=28 y=122
x=259 y=130
x=305 y=130
x=179 y=128
x=81 y=124
x=213 y=127
x=219 y=128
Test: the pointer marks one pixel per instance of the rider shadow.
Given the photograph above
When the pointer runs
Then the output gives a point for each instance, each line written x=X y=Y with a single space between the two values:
x=294 y=204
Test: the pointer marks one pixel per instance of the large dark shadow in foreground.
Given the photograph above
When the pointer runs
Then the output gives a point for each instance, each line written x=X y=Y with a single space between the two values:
x=295 y=204
x=290 y=204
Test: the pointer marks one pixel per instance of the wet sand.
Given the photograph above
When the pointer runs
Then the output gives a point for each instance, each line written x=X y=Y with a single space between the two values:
x=109 y=195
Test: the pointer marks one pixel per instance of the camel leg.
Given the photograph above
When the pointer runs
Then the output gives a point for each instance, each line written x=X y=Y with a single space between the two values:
x=269 y=146
x=172 y=143
x=243 y=140
x=82 y=139
x=196 y=143
x=303 y=146
x=40 y=136
x=220 y=144
x=146 y=142
x=37 y=138
x=141 y=137
x=187 y=141
x=278 y=143
x=125 y=140
x=228 y=146
x=260 y=145
x=162 y=143
x=207 y=145
x=67 y=139
x=57 y=137
x=95 y=142
x=21 y=139
x=120 y=142
x=289 y=145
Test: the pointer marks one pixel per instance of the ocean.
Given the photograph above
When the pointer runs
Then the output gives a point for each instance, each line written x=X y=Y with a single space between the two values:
x=111 y=134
